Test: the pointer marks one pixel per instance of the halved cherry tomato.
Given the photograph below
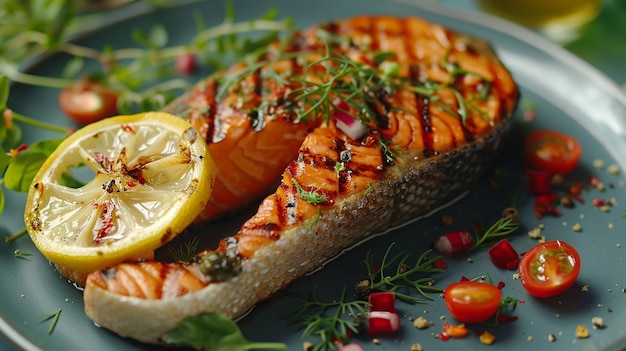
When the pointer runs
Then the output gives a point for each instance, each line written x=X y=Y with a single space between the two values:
x=552 y=151
x=87 y=102
x=549 y=268
x=471 y=301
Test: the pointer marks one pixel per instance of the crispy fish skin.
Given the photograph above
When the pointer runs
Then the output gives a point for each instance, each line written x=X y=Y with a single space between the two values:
x=420 y=180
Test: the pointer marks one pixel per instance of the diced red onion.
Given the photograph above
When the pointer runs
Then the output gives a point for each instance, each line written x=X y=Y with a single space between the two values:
x=454 y=242
x=503 y=255
x=381 y=322
x=351 y=347
x=383 y=301
x=347 y=123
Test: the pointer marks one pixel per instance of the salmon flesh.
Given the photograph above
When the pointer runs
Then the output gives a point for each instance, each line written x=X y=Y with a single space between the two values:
x=431 y=107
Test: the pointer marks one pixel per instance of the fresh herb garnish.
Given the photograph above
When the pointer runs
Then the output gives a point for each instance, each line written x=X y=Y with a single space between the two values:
x=311 y=196
x=330 y=321
x=501 y=228
x=356 y=83
x=185 y=252
x=507 y=305
x=55 y=319
x=395 y=274
x=22 y=255
x=215 y=332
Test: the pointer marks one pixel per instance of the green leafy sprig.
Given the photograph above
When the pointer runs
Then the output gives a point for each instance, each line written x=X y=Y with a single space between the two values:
x=185 y=252
x=501 y=228
x=215 y=332
x=313 y=196
x=395 y=273
x=356 y=83
x=330 y=321
x=143 y=76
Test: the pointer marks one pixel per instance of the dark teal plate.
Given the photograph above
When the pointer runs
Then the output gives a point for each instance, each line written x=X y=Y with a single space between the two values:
x=569 y=96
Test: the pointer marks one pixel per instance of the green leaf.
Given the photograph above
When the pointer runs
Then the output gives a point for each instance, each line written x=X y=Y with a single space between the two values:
x=45 y=147
x=12 y=137
x=158 y=36
x=73 y=67
x=22 y=170
x=215 y=332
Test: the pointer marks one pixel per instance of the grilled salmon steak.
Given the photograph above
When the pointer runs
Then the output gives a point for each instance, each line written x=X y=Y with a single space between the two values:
x=402 y=116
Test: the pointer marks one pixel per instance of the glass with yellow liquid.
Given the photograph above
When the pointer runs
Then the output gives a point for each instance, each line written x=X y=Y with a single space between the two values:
x=559 y=20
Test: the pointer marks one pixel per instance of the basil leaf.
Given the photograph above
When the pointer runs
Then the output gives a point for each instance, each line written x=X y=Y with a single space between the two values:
x=45 y=147
x=22 y=170
x=215 y=332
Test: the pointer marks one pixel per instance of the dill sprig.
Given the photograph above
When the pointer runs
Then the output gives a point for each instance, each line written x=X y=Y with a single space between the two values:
x=185 y=252
x=311 y=196
x=355 y=83
x=330 y=321
x=395 y=274
x=501 y=228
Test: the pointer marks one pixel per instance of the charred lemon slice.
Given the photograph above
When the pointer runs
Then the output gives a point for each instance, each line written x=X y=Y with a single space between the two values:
x=142 y=180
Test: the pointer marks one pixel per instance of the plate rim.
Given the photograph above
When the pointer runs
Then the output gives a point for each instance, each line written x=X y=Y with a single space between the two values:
x=12 y=334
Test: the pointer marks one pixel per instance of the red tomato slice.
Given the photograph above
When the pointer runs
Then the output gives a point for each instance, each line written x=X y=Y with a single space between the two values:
x=471 y=301
x=552 y=151
x=549 y=268
x=87 y=102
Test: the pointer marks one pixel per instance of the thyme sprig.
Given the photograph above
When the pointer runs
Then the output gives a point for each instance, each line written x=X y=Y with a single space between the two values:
x=501 y=228
x=396 y=274
x=330 y=321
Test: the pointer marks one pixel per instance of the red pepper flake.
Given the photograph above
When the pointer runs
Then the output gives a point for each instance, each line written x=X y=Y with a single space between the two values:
x=544 y=204
x=127 y=128
x=105 y=222
x=441 y=264
x=501 y=284
x=575 y=190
